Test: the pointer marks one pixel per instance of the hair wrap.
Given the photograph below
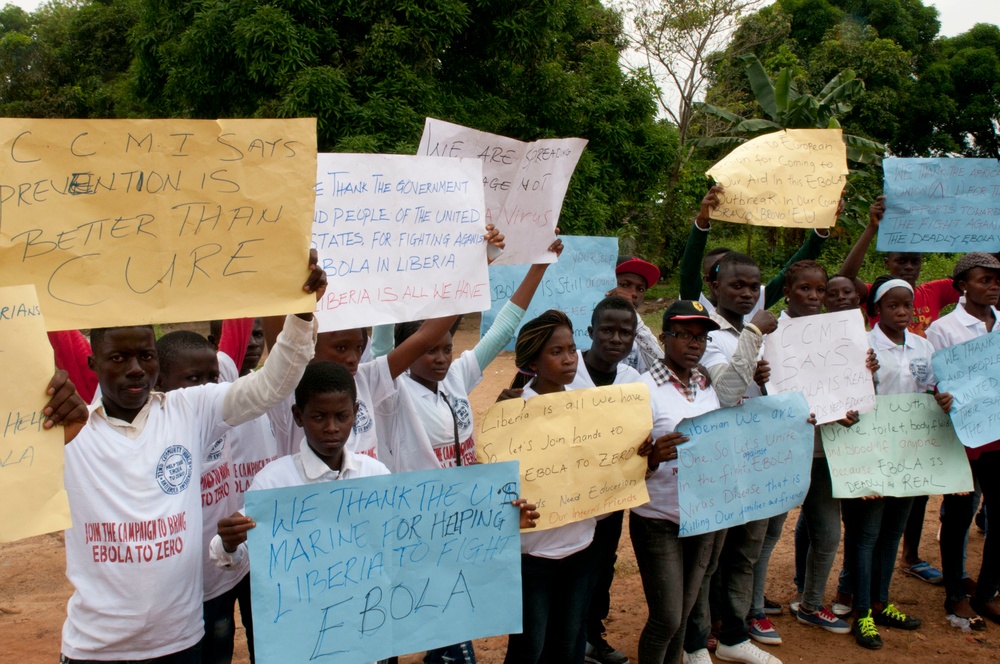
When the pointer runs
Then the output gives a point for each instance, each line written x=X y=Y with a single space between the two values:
x=889 y=285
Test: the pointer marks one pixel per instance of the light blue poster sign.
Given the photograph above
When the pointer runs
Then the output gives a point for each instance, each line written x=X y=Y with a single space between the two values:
x=360 y=570
x=941 y=205
x=745 y=463
x=575 y=284
x=970 y=372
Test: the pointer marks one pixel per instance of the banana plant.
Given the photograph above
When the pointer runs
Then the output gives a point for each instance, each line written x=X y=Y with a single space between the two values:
x=790 y=108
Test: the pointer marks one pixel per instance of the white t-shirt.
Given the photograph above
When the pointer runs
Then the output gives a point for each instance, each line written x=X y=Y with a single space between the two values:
x=218 y=500
x=626 y=374
x=958 y=327
x=669 y=408
x=374 y=383
x=561 y=541
x=417 y=426
x=134 y=551
x=903 y=369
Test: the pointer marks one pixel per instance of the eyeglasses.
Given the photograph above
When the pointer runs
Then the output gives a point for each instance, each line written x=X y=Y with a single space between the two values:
x=687 y=337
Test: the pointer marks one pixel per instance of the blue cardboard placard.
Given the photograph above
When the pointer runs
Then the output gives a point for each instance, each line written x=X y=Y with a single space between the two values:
x=574 y=285
x=970 y=372
x=745 y=463
x=360 y=570
x=941 y=205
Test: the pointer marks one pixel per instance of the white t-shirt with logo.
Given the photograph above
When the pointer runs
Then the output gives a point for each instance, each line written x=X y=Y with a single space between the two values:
x=902 y=368
x=134 y=551
x=375 y=385
x=218 y=500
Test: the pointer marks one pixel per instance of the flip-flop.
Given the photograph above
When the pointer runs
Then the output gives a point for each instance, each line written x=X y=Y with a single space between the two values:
x=925 y=572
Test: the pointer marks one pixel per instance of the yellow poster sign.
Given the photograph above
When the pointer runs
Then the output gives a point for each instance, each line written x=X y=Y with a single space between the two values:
x=121 y=222
x=790 y=178
x=31 y=458
x=577 y=449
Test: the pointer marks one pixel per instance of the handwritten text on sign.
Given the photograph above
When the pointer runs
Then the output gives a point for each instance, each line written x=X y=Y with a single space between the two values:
x=789 y=178
x=121 y=222
x=941 y=205
x=575 y=284
x=905 y=447
x=359 y=570
x=578 y=449
x=744 y=463
x=823 y=356
x=400 y=238
x=970 y=372
x=31 y=458
x=524 y=183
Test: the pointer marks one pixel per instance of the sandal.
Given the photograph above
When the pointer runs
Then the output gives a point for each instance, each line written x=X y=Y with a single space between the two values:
x=963 y=610
x=925 y=572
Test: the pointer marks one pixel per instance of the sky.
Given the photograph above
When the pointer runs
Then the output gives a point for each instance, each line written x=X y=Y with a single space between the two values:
x=956 y=16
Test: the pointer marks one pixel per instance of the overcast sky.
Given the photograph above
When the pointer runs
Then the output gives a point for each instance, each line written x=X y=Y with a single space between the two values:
x=956 y=15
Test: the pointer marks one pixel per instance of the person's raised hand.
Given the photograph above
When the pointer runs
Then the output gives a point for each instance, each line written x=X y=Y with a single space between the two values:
x=876 y=211
x=233 y=530
x=316 y=283
x=764 y=321
x=709 y=203
x=65 y=406
x=850 y=419
x=528 y=515
x=944 y=400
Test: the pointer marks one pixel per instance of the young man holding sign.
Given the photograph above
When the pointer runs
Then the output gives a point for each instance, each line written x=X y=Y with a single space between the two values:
x=134 y=552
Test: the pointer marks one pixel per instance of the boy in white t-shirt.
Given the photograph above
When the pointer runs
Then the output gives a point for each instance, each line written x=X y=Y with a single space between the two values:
x=132 y=474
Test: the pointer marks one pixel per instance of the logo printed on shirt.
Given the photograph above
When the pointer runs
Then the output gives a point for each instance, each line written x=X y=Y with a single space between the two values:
x=920 y=368
x=174 y=470
x=215 y=450
x=362 y=421
x=463 y=413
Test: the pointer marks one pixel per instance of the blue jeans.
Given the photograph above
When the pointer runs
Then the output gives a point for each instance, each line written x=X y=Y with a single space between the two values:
x=220 y=623
x=736 y=578
x=555 y=596
x=872 y=531
x=822 y=520
x=672 y=570
x=190 y=656
x=774 y=527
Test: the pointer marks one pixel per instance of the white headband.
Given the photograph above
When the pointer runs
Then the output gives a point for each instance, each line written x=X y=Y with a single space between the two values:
x=889 y=285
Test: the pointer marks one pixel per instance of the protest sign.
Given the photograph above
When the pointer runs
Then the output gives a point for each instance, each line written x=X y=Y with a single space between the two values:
x=940 y=205
x=905 y=447
x=31 y=458
x=790 y=178
x=400 y=237
x=970 y=372
x=524 y=183
x=744 y=463
x=124 y=222
x=574 y=285
x=823 y=356
x=577 y=449
x=364 y=569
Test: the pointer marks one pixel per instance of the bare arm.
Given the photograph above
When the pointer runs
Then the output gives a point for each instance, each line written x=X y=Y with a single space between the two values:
x=856 y=257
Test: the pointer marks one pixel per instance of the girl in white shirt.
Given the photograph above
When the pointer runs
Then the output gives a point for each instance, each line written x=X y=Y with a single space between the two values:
x=557 y=565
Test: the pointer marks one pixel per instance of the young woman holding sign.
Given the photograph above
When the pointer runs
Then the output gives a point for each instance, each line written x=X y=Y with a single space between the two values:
x=977 y=276
x=873 y=526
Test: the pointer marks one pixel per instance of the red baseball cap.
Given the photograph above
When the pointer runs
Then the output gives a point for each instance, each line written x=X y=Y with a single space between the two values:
x=646 y=270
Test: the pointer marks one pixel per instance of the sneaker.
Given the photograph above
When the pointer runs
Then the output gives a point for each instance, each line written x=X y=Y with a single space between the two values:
x=890 y=616
x=865 y=632
x=696 y=657
x=823 y=618
x=925 y=572
x=762 y=630
x=602 y=653
x=745 y=652
x=841 y=610
x=794 y=605
x=771 y=607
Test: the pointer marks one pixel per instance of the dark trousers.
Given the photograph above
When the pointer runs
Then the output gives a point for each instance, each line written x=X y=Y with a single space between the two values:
x=555 y=595
x=956 y=518
x=606 y=536
x=190 y=656
x=872 y=531
x=736 y=575
x=699 y=622
x=220 y=623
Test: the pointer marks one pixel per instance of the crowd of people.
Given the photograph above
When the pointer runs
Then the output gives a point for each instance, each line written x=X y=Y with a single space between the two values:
x=179 y=428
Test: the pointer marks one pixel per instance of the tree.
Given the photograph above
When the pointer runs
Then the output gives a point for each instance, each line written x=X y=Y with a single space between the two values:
x=370 y=73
